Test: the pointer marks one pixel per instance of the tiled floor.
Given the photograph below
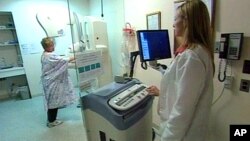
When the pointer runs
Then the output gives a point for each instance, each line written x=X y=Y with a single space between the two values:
x=25 y=120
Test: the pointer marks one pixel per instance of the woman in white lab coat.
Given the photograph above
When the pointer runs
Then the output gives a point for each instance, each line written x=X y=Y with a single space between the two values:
x=186 y=89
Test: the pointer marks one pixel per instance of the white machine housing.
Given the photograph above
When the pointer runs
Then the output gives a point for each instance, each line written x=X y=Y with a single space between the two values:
x=95 y=33
x=95 y=36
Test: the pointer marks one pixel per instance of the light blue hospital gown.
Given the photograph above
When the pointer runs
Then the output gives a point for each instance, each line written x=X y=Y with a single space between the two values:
x=57 y=86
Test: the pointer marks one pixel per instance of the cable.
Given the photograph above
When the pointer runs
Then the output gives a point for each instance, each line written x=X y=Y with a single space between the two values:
x=164 y=67
x=224 y=72
x=102 y=15
x=144 y=65
x=42 y=26
x=228 y=63
x=133 y=56
x=218 y=96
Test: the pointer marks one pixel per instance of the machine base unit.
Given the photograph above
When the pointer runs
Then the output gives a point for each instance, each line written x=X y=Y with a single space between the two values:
x=105 y=122
x=99 y=129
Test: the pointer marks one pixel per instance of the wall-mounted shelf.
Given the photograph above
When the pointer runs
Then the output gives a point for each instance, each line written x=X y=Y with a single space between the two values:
x=3 y=45
x=10 y=72
x=7 y=29
x=9 y=46
x=11 y=62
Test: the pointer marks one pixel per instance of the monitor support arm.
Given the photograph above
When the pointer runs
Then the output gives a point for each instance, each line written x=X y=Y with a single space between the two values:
x=133 y=56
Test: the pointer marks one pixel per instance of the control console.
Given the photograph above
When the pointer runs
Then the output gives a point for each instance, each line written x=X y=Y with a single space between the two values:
x=129 y=97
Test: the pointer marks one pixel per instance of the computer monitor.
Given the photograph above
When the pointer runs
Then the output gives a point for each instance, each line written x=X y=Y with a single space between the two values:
x=153 y=45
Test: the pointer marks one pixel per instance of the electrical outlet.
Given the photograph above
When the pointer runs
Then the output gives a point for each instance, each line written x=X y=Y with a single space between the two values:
x=244 y=85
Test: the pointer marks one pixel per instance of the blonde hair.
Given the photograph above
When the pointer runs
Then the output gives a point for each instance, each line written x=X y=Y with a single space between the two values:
x=198 y=27
x=46 y=42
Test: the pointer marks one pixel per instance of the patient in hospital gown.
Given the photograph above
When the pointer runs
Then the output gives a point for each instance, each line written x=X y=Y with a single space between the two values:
x=57 y=86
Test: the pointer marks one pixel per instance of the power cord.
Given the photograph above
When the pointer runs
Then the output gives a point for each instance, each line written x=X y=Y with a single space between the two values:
x=228 y=63
x=144 y=65
x=218 y=96
x=224 y=72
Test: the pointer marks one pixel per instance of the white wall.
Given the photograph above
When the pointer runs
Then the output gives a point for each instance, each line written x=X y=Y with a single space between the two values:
x=231 y=16
x=232 y=108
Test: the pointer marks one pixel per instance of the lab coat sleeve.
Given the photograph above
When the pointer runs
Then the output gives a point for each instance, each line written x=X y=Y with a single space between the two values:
x=190 y=75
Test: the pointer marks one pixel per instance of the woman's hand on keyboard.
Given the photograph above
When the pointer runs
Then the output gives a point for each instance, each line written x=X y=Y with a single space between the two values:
x=153 y=90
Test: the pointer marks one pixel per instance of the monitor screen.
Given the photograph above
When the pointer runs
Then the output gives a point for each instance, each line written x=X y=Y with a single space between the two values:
x=153 y=44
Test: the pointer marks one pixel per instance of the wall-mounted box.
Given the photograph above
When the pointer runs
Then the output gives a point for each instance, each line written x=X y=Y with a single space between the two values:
x=244 y=85
x=246 y=67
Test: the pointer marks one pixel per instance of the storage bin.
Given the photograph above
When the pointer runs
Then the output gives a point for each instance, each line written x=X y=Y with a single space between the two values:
x=24 y=92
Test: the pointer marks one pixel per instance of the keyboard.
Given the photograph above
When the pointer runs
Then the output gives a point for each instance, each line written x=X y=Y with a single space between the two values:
x=128 y=98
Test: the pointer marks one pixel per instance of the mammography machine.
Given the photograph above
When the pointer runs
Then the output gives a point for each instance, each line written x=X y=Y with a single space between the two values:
x=118 y=112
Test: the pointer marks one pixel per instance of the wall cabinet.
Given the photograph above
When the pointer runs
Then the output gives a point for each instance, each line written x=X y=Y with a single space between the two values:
x=11 y=63
x=10 y=51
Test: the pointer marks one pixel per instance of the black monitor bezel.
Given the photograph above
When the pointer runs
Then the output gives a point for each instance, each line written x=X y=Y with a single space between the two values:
x=140 y=46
